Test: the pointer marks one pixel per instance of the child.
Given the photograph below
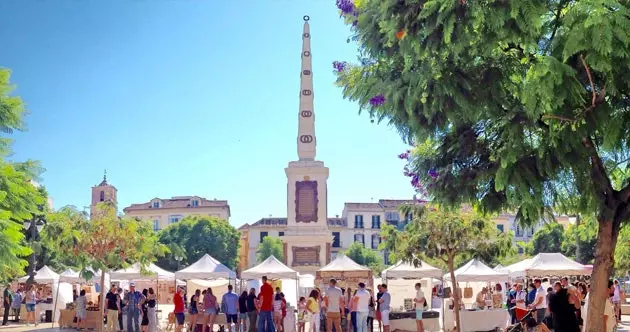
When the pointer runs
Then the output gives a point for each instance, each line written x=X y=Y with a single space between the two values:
x=278 y=306
x=302 y=314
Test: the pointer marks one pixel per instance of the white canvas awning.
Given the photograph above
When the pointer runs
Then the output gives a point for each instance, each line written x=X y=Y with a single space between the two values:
x=343 y=263
x=408 y=270
x=43 y=276
x=475 y=270
x=205 y=268
x=547 y=264
x=134 y=272
x=70 y=276
x=272 y=268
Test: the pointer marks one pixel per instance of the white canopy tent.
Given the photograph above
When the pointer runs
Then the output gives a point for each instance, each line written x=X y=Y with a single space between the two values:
x=272 y=268
x=547 y=264
x=408 y=270
x=134 y=272
x=343 y=263
x=43 y=276
x=475 y=270
x=205 y=268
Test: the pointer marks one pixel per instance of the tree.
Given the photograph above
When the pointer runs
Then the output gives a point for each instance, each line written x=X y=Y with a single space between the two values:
x=194 y=236
x=364 y=256
x=270 y=246
x=444 y=235
x=580 y=240
x=622 y=254
x=19 y=198
x=505 y=101
x=105 y=242
x=548 y=238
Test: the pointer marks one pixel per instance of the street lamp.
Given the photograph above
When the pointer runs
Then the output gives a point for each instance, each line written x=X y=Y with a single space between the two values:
x=34 y=227
x=178 y=259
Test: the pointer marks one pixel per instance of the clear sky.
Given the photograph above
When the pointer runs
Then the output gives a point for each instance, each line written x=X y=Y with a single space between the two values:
x=188 y=97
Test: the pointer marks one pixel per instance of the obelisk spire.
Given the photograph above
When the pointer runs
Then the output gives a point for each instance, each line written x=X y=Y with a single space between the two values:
x=306 y=140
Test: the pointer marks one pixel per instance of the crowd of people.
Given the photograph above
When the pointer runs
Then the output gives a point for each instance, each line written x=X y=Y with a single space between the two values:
x=560 y=307
x=12 y=303
x=139 y=308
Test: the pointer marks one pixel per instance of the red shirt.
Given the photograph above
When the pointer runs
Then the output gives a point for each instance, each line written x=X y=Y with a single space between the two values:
x=266 y=291
x=179 y=304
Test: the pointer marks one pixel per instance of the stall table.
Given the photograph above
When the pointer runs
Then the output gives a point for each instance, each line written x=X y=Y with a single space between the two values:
x=483 y=320
x=92 y=319
x=406 y=321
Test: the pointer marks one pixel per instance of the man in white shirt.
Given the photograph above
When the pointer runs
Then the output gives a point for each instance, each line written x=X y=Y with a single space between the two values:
x=616 y=299
x=333 y=301
x=362 y=298
x=540 y=301
x=610 y=320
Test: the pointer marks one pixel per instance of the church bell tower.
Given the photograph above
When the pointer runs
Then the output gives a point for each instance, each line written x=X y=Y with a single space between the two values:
x=103 y=192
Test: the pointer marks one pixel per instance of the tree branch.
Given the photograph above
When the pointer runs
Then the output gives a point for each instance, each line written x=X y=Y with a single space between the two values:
x=601 y=181
x=557 y=117
x=590 y=80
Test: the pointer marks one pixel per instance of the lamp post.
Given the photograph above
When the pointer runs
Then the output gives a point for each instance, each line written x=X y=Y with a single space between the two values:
x=34 y=227
x=178 y=259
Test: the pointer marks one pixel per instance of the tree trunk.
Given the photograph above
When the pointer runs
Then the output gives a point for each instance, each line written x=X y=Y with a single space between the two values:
x=101 y=305
x=456 y=299
x=606 y=241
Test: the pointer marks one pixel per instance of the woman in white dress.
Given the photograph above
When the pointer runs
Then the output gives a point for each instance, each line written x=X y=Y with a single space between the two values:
x=80 y=310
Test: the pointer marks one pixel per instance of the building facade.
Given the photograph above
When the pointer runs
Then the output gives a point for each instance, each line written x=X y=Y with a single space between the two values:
x=164 y=212
x=103 y=193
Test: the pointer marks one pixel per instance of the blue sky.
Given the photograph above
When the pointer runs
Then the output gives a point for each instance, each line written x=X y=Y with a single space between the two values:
x=188 y=97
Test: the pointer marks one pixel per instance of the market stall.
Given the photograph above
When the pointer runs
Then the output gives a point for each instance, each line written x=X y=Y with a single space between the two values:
x=347 y=272
x=67 y=313
x=477 y=320
x=274 y=269
x=48 y=285
x=401 y=278
x=547 y=265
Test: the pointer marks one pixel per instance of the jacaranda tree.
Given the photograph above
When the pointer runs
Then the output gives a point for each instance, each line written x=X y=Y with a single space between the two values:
x=504 y=101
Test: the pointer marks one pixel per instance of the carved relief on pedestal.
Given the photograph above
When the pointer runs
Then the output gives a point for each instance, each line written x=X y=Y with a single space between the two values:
x=306 y=201
x=306 y=256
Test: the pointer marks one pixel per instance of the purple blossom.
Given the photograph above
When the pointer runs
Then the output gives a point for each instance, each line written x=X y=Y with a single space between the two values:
x=355 y=23
x=346 y=6
x=339 y=66
x=404 y=155
x=377 y=100
x=432 y=173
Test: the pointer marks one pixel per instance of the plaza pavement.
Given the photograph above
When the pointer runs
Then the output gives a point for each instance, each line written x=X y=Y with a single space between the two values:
x=625 y=327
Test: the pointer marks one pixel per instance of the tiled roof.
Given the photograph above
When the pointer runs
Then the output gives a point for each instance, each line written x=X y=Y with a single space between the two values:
x=178 y=203
x=333 y=222
x=363 y=205
x=394 y=203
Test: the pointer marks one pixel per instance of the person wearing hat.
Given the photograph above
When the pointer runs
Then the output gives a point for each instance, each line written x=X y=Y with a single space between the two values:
x=132 y=302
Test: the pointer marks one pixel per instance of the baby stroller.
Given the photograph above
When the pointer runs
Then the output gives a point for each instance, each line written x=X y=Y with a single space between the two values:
x=526 y=321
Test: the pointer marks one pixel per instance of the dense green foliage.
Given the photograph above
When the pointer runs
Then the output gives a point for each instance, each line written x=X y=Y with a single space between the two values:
x=365 y=256
x=583 y=235
x=507 y=102
x=195 y=236
x=622 y=254
x=446 y=235
x=270 y=246
x=20 y=200
x=548 y=238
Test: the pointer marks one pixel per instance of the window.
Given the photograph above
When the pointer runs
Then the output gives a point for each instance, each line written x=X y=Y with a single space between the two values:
x=263 y=235
x=518 y=231
x=156 y=225
x=392 y=216
x=102 y=196
x=409 y=216
x=500 y=228
x=520 y=250
x=156 y=204
x=376 y=241
x=358 y=221
x=174 y=219
x=359 y=238
x=376 y=221
x=280 y=233
x=336 y=240
x=194 y=203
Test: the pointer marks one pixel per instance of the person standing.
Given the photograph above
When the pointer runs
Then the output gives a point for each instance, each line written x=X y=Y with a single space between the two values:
x=7 y=300
x=242 y=312
x=362 y=298
x=81 y=310
x=151 y=303
x=30 y=302
x=112 y=307
x=616 y=299
x=610 y=320
x=209 y=310
x=333 y=301
x=379 y=294
x=312 y=307
x=252 y=310
x=180 y=308
x=419 y=302
x=120 y=296
x=385 y=301
x=540 y=301
x=265 y=317
x=193 y=310
x=17 y=304
x=132 y=302
x=230 y=303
